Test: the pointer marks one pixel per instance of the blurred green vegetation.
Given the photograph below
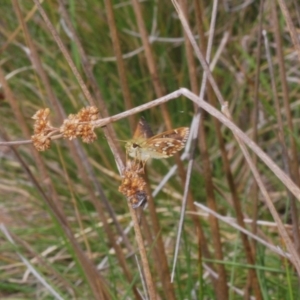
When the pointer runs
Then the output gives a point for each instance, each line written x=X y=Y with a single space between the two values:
x=38 y=235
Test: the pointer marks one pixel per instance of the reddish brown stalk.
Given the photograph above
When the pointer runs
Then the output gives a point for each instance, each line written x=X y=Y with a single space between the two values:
x=192 y=68
x=280 y=135
x=250 y=252
x=159 y=91
x=254 y=190
x=153 y=243
x=202 y=47
x=142 y=250
x=17 y=30
x=221 y=290
x=162 y=263
x=293 y=165
x=120 y=62
x=290 y=25
x=153 y=70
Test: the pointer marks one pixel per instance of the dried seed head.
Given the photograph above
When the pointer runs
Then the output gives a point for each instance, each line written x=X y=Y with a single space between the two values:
x=78 y=125
x=42 y=128
x=88 y=114
x=74 y=126
x=69 y=128
x=87 y=133
x=41 y=142
x=41 y=124
x=133 y=186
x=41 y=114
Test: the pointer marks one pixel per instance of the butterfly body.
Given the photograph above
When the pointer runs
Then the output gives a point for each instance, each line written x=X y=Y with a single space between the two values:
x=166 y=144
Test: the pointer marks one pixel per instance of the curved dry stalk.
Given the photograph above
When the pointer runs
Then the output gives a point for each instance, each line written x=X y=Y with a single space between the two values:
x=215 y=113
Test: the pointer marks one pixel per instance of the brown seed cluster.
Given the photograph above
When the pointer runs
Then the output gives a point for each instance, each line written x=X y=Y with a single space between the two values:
x=42 y=128
x=79 y=125
x=133 y=186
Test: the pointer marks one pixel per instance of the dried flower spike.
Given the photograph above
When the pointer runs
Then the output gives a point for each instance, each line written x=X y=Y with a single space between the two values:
x=42 y=128
x=133 y=186
x=41 y=124
x=88 y=114
x=40 y=142
x=41 y=114
x=69 y=128
x=87 y=133
x=79 y=125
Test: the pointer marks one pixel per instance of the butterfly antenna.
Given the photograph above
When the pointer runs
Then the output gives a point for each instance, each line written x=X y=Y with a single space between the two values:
x=123 y=141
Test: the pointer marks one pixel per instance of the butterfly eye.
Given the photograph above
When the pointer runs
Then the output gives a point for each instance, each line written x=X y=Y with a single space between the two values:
x=134 y=145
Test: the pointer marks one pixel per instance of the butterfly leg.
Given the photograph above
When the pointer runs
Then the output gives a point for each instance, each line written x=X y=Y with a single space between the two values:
x=144 y=163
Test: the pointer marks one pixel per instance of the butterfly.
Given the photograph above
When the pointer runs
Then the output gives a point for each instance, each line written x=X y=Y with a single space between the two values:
x=145 y=145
